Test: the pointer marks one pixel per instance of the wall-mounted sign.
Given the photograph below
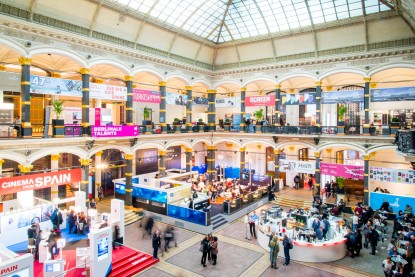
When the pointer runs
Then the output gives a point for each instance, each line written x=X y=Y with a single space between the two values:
x=392 y=175
x=307 y=98
x=115 y=131
x=298 y=166
x=347 y=96
x=260 y=100
x=392 y=94
x=342 y=170
x=146 y=96
x=39 y=181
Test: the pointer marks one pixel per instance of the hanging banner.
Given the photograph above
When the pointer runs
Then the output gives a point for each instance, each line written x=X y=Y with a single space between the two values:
x=10 y=81
x=146 y=96
x=308 y=98
x=392 y=94
x=55 y=86
x=348 y=96
x=39 y=181
x=225 y=102
x=298 y=166
x=392 y=175
x=115 y=131
x=200 y=101
x=265 y=100
x=107 y=92
x=342 y=170
x=176 y=99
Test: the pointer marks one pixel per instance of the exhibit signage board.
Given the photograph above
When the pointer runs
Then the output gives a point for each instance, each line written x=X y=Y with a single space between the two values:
x=21 y=266
x=392 y=175
x=307 y=98
x=101 y=251
x=115 y=131
x=392 y=94
x=225 y=102
x=342 y=170
x=39 y=181
x=347 y=96
x=298 y=166
x=176 y=99
x=107 y=92
x=146 y=96
x=265 y=100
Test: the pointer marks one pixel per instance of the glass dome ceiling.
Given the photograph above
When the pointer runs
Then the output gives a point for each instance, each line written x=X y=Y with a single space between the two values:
x=221 y=21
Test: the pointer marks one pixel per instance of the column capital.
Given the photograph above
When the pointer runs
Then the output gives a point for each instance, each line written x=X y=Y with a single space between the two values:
x=276 y=151
x=277 y=86
x=85 y=70
x=328 y=150
x=85 y=162
x=2 y=67
x=55 y=157
x=129 y=156
x=373 y=85
x=211 y=91
x=97 y=80
x=128 y=78
x=25 y=61
x=162 y=152
x=317 y=154
x=189 y=150
x=1 y=162
x=54 y=74
x=366 y=157
x=242 y=149
x=99 y=153
x=367 y=79
x=318 y=83
x=329 y=88
x=25 y=168
x=243 y=89
x=162 y=84
x=188 y=87
x=212 y=147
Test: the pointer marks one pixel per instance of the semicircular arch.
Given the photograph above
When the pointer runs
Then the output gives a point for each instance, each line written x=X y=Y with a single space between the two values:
x=12 y=45
x=390 y=66
x=121 y=148
x=16 y=157
x=296 y=75
x=254 y=79
x=295 y=143
x=116 y=64
x=151 y=71
x=57 y=150
x=51 y=50
x=226 y=140
x=341 y=71
x=343 y=145
x=182 y=78
x=145 y=145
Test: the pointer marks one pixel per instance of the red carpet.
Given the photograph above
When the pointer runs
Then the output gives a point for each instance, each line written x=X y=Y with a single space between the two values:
x=126 y=262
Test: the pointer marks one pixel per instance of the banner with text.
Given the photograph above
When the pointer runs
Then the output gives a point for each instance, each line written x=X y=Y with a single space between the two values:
x=392 y=94
x=392 y=175
x=265 y=100
x=39 y=181
x=55 y=86
x=347 y=96
x=298 y=166
x=342 y=170
x=107 y=92
x=176 y=99
x=226 y=102
x=115 y=131
x=308 y=98
x=200 y=101
x=146 y=96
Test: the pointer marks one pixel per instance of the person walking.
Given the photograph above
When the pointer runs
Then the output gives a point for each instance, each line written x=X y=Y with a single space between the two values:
x=156 y=243
x=297 y=181
x=205 y=248
x=274 y=248
x=37 y=242
x=100 y=193
x=287 y=244
x=214 y=250
x=149 y=226
x=252 y=219
x=246 y=223
x=373 y=239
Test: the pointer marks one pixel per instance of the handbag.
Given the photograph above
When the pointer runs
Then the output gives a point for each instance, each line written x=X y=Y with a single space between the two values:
x=201 y=247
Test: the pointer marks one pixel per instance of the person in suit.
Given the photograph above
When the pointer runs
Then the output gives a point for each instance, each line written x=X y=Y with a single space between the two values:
x=156 y=243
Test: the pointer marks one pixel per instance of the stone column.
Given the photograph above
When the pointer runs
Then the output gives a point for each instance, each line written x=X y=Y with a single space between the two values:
x=277 y=104
x=242 y=125
x=129 y=180
x=211 y=162
x=318 y=103
x=317 y=175
x=189 y=159
x=85 y=163
x=1 y=167
x=366 y=179
x=242 y=161
x=366 y=105
x=98 y=172
x=129 y=104
x=189 y=125
x=54 y=165
x=211 y=94
x=277 y=168
x=26 y=129
x=85 y=101
x=162 y=117
x=162 y=163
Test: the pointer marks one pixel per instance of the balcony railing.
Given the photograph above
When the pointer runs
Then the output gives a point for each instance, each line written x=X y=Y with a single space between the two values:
x=405 y=141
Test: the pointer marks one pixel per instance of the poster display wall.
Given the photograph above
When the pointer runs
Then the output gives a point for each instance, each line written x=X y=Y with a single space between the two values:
x=226 y=102
x=392 y=175
x=101 y=251
x=265 y=100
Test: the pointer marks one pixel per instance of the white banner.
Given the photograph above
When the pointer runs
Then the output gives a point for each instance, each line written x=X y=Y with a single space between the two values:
x=225 y=102
x=298 y=166
x=107 y=92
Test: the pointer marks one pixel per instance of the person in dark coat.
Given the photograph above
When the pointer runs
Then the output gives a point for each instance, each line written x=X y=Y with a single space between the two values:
x=297 y=181
x=205 y=247
x=373 y=239
x=359 y=242
x=286 y=244
x=149 y=225
x=156 y=243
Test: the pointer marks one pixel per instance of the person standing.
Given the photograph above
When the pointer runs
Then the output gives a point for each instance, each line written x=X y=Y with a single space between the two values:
x=37 y=242
x=297 y=181
x=156 y=242
x=100 y=193
x=310 y=183
x=247 y=225
x=205 y=248
x=286 y=243
x=328 y=189
x=253 y=218
x=214 y=249
x=355 y=222
x=359 y=243
x=92 y=204
x=31 y=234
x=274 y=248
x=373 y=239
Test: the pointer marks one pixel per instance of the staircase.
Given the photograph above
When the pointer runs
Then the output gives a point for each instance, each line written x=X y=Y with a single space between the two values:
x=131 y=264
x=217 y=221
x=288 y=202
x=131 y=217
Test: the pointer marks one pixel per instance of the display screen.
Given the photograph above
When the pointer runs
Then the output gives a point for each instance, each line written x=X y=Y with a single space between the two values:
x=119 y=188
x=149 y=194
x=53 y=267
x=103 y=248
x=77 y=115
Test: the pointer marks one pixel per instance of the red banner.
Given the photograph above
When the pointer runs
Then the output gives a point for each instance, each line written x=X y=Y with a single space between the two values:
x=265 y=100
x=39 y=181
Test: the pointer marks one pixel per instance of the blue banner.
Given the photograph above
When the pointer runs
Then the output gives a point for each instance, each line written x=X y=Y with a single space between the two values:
x=56 y=86
x=392 y=94
x=186 y=214
x=149 y=194
x=176 y=99
x=347 y=96
x=307 y=98
x=396 y=202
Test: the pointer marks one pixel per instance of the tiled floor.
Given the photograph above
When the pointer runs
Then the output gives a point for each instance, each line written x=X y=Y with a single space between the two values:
x=155 y=272
x=295 y=270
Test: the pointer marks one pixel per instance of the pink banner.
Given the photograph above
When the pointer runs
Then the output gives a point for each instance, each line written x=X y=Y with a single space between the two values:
x=265 y=100
x=97 y=116
x=115 y=131
x=342 y=170
x=146 y=96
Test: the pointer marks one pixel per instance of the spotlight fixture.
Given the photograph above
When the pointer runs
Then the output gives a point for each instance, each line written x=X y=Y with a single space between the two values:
x=89 y=144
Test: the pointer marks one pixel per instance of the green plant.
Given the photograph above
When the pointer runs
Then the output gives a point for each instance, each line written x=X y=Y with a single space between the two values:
x=340 y=182
x=146 y=113
x=200 y=120
x=341 y=110
x=258 y=114
x=395 y=119
x=58 y=107
x=176 y=119
x=227 y=120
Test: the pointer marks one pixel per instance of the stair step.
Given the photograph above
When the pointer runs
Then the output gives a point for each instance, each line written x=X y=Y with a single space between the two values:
x=134 y=270
x=131 y=265
x=125 y=261
x=217 y=220
x=218 y=225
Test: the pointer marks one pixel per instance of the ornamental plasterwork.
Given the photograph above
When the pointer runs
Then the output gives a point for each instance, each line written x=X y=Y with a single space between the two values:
x=376 y=61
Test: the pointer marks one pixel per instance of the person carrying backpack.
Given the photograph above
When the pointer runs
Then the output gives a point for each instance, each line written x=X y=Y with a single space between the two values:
x=274 y=248
x=351 y=243
x=288 y=245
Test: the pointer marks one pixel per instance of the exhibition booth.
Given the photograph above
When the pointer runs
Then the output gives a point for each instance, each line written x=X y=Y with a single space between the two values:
x=298 y=227
x=15 y=265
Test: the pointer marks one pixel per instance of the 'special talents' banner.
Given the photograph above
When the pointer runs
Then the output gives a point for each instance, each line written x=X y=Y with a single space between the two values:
x=392 y=94
x=298 y=166
x=114 y=131
x=146 y=96
x=307 y=98
x=265 y=100
x=342 y=170
x=176 y=99
x=392 y=175
x=347 y=96
x=39 y=181
x=225 y=102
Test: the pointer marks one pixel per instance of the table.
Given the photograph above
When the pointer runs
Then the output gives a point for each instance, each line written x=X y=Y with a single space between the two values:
x=399 y=259
x=401 y=251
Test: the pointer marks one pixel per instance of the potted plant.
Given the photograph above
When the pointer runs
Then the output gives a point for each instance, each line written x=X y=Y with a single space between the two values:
x=58 y=124
x=258 y=114
x=341 y=111
x=176 y=125
x=340 y=185
x=201 y=125
x=147 y=116
x=227 y=125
